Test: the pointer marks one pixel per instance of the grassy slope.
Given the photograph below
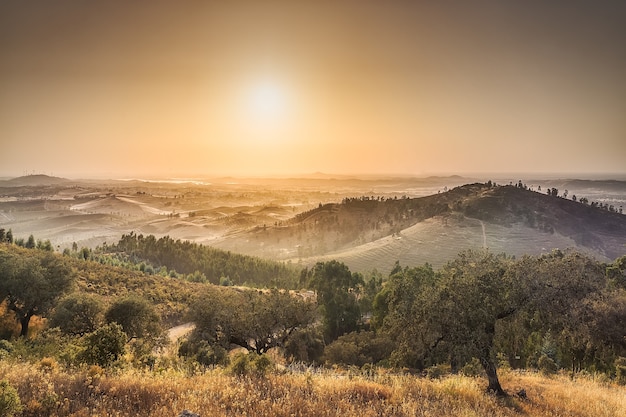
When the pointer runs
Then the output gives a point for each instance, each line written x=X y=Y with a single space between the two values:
x=504 y=219
x=47 y=391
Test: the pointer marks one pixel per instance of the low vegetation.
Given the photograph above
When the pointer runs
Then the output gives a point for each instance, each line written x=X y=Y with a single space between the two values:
x=45 y=390
x=417 y=342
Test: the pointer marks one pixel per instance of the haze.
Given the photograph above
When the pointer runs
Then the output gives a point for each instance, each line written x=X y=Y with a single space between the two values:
x=277 y=88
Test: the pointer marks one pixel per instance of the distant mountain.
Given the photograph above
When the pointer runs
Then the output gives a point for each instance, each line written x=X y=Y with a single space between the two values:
x=33 y=180
x=369 y=232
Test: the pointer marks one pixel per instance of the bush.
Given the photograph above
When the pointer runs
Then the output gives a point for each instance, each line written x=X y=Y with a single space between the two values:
x=358 y=348
x=105 y=346
x=10 y=403
x=305 y=345
x=437 y=371
x=620 y=370
x=203 y=353
x=262 y=364
x=546 y=365
x=240 y=365
x=472 y=368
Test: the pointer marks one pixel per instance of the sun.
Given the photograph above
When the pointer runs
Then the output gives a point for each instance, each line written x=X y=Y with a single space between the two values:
x=267 y=103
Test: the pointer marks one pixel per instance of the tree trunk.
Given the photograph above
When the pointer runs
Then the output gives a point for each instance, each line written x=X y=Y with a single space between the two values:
x=492 y=376
x=24 y=321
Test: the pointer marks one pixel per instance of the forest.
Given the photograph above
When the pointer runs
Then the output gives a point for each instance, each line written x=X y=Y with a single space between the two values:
x=478 y=315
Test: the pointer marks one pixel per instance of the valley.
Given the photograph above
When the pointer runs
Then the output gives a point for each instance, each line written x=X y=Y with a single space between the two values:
x=367 y=223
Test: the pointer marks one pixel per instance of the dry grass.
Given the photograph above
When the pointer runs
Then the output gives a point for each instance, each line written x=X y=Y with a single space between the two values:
x=48 y=391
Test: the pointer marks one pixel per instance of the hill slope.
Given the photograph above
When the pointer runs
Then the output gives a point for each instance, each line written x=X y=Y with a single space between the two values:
x=368 y=233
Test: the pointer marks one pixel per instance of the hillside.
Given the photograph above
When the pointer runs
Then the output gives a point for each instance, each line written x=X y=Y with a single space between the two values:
x=33 y=180
x=372 y=232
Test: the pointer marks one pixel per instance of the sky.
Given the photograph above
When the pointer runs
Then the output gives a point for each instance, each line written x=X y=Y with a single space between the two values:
x=190 y=88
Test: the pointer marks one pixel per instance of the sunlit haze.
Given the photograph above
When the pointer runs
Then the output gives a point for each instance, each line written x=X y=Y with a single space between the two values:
x=119 y=89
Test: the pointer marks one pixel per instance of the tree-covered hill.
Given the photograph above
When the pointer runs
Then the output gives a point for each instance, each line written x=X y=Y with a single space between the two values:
x=214 y=265
x=512 y=218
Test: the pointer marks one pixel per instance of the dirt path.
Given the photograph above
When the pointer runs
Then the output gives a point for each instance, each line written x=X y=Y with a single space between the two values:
x=177 y=332
x=484 y=235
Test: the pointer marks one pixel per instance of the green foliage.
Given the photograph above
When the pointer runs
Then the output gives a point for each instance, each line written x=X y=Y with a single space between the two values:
x=337 y=290
x=305 y=345
x=78 y=314
x=358 y=348
x=438 y=371
x=32 y=281
x=137 y=317
x=203 y=353
x=620 y=370
x=240 y=364
x=105 y=346
x=252 y=319
x=472 y=368
x=251 y=363
x=10 y=403
x=547 y=365
x=187 y=258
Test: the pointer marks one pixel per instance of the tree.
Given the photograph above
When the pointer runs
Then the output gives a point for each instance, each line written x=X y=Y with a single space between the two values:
x=252 y=319
x=30 y=243
x=78 y=314
x=104 y=346
x=453 y=314
x=138 y=318
x=337 y=289
x=32 y=281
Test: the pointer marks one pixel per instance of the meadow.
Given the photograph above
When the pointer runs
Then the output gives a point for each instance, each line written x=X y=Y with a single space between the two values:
x=47 y=390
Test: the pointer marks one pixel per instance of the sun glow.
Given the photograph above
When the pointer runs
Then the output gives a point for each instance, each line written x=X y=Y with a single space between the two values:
x=267 y=103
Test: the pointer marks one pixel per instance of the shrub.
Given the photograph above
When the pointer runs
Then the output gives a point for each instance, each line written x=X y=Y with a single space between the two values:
x=10 y=403
x=437 y=371
x=305 y=345
x=48 y=364
x=620 y=370
x=78 y=314
x=547 y=365
x=472 y=368
x=104 y=346
x=240 y=364
x=358 y=348
x=262 y=364
x=203 y=353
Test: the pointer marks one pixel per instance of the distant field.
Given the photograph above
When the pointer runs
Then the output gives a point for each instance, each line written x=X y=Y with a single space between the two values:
x=255 y=217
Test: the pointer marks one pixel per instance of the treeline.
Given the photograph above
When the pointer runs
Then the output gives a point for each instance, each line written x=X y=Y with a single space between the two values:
x=480 y=312
x=210 y=264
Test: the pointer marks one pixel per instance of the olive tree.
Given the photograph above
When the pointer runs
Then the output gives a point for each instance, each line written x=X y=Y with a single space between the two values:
x=32 y=281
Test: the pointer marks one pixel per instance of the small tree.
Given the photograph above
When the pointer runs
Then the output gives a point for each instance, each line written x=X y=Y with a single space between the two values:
x=105 y=346
x=32 y=281
x=137 y=317
x=78 y=314
x=337 y=290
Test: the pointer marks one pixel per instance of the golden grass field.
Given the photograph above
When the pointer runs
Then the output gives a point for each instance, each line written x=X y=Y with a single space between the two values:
x=46 y=390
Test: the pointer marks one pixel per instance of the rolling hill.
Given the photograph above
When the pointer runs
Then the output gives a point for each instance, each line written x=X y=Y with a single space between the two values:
x=372 y=232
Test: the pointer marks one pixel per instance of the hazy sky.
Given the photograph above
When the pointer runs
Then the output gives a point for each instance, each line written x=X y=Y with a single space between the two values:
x=220 y=88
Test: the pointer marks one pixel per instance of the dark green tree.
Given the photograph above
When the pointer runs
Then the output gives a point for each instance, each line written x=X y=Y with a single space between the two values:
x=104 y=346
x=252 y=319
x=32 y=281
x=337 y=292
x=78 y=314
x=30 y=243
x=138 y=318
